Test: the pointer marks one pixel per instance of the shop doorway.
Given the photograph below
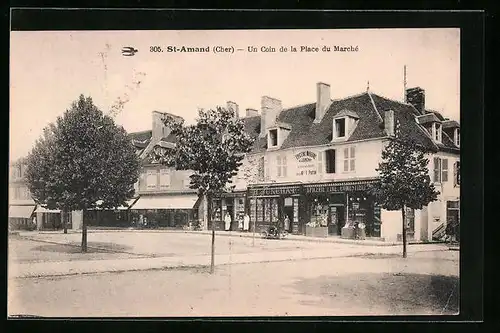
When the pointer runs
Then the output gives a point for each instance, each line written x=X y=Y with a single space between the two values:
x=336 y=219
x=288 y=211
x=230 y=210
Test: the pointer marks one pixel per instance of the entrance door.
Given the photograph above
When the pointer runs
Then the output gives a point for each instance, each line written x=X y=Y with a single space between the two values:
x=230 y=210
x=336 y=220
x=288 y=211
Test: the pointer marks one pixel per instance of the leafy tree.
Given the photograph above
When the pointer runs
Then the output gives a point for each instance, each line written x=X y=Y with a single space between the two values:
x=212 y=149
x=83 y=161
x=404 y=178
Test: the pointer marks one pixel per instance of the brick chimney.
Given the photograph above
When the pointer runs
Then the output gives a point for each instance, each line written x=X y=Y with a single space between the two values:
x=416 y=97
x=270 y=110
x=252 y=113
x=323 y=100
x=389 y=122
x=234 y=107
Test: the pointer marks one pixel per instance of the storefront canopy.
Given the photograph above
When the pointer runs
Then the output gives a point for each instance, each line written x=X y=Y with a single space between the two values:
x=129 y=203
x=21 y=211
x=166 y=202
x=41 y=209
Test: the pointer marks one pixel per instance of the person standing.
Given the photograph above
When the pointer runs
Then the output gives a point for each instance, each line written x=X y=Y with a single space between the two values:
x=227 y=220
x=240 y=222
x=246 y=222
x=287 y=223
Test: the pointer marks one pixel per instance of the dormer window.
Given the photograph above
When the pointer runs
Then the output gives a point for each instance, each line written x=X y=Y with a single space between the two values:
x=340 y=128
x=457 y=137
x=273 y=138
x=344 y=124
x=437 y=132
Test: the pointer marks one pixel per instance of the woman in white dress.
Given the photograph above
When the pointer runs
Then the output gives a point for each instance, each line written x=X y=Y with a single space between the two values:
x=246 y=222
x=227 y=220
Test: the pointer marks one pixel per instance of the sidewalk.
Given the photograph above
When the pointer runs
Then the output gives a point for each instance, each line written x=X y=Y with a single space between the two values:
x=331 y=239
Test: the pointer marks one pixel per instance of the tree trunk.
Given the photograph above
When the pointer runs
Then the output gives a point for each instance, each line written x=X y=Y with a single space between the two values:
x=209 y=220
x=84 y=233
x=64 y=219
x=404 y=231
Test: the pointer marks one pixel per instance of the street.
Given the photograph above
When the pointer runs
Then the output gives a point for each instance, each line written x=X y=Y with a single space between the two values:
x=355 y=284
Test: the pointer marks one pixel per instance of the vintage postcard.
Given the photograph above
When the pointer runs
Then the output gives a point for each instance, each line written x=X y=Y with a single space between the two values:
x=234 y=173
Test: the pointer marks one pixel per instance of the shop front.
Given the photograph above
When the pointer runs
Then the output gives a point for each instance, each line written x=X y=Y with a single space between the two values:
x=232 y=204
x=276 y=203
x=20 y=217
x=165 y=211
x=343 y=204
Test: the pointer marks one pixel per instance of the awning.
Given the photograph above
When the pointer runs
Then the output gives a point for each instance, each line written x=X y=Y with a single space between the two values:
x=166 y=202
x=41 y=209
x=21 y=211
x=129 y=203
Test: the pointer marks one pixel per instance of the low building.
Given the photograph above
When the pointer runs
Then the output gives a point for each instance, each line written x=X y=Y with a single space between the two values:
x=21 y=205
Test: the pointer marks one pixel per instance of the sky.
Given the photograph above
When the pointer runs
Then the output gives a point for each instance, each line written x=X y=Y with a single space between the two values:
x=49 y=70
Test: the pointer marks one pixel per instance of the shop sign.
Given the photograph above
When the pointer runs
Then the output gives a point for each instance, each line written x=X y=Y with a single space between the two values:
x=338 y=188
x=306 y=163
x=274 y=191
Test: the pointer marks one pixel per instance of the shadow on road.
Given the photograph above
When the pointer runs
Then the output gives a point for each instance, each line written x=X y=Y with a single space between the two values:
x=384 y=293
x=92 y=247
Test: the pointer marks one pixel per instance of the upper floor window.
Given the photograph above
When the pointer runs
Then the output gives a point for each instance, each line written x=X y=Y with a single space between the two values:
x=440 y=169
x=457 y=137
x=320 y=162
x=281 y=166
x=437 y=132
x=273 y=138
x=164 y=178
x=151 y=179
x=349 y=159
x=330 y=160
x=340 y=128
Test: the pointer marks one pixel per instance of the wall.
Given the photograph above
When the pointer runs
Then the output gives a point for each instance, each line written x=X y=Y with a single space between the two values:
x=179 y=180
x=305 y=167
x=448 y=192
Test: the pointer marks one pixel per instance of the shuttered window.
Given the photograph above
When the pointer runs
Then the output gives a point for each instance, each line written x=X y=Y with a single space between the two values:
x=444 y=170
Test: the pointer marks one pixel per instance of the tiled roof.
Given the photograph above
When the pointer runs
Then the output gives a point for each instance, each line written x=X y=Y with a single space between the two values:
x=450 y=124
x=305 y=132
x=141 y=136
x=428 y=118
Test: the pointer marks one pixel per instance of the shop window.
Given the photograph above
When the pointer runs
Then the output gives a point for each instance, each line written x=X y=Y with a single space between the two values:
x=330 y=161
x=349 y=159
x=273 y=138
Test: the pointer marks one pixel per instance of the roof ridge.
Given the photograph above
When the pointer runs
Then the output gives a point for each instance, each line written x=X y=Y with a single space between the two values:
x=375 y=107
x=348 y=97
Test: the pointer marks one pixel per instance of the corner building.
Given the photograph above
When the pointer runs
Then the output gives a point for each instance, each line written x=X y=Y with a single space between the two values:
x=316 y=162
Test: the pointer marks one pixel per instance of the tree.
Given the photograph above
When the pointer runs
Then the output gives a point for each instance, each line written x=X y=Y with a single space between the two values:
x=83 y=161
x=404 y=178
x=212 y=149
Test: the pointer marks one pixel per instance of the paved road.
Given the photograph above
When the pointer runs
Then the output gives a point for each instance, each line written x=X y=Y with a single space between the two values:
x=379 y=284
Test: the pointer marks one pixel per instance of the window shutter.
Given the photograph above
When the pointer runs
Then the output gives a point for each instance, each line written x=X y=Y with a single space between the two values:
x=278 y=166
x=444 y=169
x=320 y=162
x=458 y=173
x=353 y=150
x=164 y=178
x=437 y=169
x=346 y=153
x=353 y=164
x=283 y=161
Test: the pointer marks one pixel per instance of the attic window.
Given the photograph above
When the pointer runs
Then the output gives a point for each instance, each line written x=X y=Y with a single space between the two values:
x=340 y=128
x=273 y=137
x=436 y=132
x=457 y=137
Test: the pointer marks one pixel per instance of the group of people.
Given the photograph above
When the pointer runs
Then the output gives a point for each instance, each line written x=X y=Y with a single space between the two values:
x=244 y=222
